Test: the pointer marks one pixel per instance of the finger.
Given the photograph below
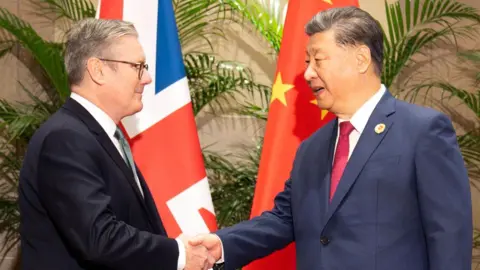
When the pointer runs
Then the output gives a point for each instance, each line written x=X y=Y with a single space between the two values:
x=197 y=240
x=211 y=260
x=207 y=267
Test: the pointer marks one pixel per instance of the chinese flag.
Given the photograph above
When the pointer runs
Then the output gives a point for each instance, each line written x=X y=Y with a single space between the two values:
x=293 y=116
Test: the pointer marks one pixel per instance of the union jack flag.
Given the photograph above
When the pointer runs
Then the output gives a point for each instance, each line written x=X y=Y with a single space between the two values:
x=163 y=136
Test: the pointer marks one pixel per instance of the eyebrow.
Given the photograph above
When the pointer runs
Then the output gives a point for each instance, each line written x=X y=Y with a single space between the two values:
x=315 y=50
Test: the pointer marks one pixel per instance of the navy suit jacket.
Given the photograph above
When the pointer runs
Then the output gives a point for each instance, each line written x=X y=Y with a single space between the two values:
x=80 y=205
x=403 y=202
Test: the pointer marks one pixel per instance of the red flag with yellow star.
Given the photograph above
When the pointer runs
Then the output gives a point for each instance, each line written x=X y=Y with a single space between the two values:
x=293 y=116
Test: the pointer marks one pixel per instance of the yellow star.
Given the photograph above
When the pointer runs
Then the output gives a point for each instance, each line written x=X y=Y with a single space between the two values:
x=324 y=112
x=328 y=1
x=279 y=89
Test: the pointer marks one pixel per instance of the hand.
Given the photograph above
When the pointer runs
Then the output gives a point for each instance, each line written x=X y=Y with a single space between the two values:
x=210 y=241
x=197 y=257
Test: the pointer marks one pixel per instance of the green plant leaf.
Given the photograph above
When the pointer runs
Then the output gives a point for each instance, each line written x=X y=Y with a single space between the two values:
x=267 y=18
x=409 y=34
x=48 y=56
x=200 y=19
x=72 y=10
x=232 y=184
x=217 y=83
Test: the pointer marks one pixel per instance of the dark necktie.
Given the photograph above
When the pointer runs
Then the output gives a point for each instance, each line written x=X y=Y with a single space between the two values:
x=128 y=155
x=341 y=156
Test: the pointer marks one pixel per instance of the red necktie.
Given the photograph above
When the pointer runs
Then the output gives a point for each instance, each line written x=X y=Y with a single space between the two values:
x=341 y=155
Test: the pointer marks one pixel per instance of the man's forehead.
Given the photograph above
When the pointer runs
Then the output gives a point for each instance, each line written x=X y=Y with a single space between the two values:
x=319 y=42
x=316 y=47
x=131 y=47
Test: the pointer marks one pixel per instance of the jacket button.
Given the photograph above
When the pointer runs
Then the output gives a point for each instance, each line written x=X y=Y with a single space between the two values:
x=324 y=240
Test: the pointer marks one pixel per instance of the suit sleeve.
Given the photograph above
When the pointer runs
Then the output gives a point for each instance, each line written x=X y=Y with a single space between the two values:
x=73 y=192
x=444 y=196
x=260 y=236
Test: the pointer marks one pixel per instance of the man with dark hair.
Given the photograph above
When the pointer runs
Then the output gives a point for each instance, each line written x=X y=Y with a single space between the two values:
x=383 y=186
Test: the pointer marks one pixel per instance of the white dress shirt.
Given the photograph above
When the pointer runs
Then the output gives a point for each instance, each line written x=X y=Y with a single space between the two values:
x=106 y=123
x=110 y=127
x=360 y=118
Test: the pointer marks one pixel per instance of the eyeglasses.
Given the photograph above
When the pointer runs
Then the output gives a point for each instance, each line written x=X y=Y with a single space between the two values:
x=139 y=66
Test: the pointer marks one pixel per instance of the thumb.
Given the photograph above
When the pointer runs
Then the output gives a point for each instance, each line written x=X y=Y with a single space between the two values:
x=196 y=240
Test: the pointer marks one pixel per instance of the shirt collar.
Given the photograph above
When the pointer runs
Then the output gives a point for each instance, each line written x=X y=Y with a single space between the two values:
x=100 y=116
x=360 y=117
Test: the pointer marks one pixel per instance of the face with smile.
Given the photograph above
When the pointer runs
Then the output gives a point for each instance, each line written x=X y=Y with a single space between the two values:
x=332 y=71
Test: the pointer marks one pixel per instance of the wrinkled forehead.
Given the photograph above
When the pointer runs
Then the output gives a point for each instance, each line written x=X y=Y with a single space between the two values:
x=322 y=42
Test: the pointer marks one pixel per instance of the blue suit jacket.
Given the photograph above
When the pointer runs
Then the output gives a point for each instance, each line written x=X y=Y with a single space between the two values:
x=403 y=202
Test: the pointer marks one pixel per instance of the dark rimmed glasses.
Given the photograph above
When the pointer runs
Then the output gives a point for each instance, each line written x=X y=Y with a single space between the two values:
x=140 y=66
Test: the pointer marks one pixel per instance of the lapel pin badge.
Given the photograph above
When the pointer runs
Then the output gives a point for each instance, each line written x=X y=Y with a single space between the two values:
x=379 y=128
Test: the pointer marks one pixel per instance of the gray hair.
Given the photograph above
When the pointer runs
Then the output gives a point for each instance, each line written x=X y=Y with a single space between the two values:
x=91 y=38
x=352 y=26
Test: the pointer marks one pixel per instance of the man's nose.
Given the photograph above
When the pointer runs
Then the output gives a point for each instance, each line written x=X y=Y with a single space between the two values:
x=309 y=74
x=146 y=78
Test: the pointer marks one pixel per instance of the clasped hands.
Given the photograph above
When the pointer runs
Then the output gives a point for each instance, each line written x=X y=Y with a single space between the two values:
x=202 y=251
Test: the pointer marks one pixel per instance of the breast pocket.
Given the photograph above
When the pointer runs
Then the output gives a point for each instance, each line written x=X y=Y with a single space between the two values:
x=381 y=164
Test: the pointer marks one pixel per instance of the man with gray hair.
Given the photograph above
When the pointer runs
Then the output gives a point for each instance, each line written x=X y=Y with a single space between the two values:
x=383 y=186
x=84 y=204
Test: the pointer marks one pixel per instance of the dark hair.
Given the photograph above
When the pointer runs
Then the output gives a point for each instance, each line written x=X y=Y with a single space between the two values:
x=352 y=26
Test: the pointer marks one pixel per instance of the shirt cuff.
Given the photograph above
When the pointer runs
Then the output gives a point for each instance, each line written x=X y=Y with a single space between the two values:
x=181 y=255
x=222 y=258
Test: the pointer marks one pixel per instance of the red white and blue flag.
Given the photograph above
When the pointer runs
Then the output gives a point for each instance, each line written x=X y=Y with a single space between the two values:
x=163 y=136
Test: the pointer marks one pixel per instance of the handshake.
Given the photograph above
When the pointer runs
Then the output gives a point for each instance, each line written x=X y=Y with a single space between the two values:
x=201 y=251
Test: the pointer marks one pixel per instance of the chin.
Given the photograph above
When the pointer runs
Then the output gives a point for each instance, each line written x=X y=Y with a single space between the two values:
x=139 y=107
x=135 y=109
x=323 y=105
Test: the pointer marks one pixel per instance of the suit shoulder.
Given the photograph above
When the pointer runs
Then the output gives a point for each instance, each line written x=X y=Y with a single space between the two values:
x=417 y=114
x=321 y=134
x=59 y=126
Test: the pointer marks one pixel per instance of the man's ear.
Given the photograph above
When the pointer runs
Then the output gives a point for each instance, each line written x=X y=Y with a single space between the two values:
x=364 y=58
x=95 y=69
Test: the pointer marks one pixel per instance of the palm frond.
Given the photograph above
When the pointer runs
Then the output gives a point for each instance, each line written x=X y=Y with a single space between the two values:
x=200 y=19
x=216 y=83
x=255 y=111
x=476 y=238
x=232 y=184
x=20 y=120
x=267 y=17
x=411 y=30
x=9 y=224
x=10 y=164
x=48 y=56
x=473 y=56
x=469 y=98
x=6 y=47
x=72 y=10
x=470 y=147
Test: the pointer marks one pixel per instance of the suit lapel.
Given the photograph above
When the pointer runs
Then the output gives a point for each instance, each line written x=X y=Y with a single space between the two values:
x=368 y=142
x=325 y=184
x=318 y=166
x=152 y=209
x=107 y=144
x=112 y=151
